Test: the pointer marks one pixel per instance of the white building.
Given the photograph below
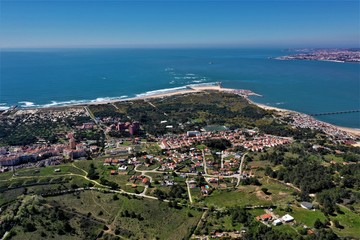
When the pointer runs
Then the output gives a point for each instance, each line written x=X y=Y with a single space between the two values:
x=287 y=218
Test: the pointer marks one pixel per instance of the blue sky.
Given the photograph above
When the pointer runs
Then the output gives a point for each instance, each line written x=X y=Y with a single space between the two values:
x=81 y=23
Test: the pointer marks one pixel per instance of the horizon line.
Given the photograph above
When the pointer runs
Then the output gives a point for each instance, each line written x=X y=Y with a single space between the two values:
x=175 y=47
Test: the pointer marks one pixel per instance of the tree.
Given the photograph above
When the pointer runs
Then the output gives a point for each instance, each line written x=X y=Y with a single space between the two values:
x=265 y=190
x=268 y=171
x=176 y=191
x=30 y=227
x=239 y=215
x=318 y=224
x=92 y=174
x=337 y=224
x=159 y=194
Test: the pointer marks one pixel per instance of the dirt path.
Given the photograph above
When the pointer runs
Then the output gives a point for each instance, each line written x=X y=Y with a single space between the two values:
x=240 y=169
x=189 y=192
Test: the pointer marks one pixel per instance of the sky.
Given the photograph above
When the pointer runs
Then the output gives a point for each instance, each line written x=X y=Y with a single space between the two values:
x=112 y=23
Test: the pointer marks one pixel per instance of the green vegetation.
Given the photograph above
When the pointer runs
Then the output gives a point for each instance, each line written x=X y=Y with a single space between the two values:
x=243 y=197
x=211 y=108
x=349 y=223
x=90 y=199
x=131 y=217
x=35 y=128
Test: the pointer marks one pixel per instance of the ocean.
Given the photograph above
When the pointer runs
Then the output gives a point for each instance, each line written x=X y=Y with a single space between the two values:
x=54 y=77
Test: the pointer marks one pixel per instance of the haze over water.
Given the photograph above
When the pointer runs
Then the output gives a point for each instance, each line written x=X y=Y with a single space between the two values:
x=37 y=78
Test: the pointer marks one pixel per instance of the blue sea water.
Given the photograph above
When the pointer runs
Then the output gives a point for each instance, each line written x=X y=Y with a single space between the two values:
x=51 y=77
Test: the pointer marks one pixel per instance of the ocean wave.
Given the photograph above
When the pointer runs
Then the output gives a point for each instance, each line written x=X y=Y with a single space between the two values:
x=4 y=108
x=105 y=99
x=76 y=102
x=63 y=103
x=176 y=89
x=27 y=104
x=198 y=81
x=161 y=91
x=3 y=104
x=204 y=84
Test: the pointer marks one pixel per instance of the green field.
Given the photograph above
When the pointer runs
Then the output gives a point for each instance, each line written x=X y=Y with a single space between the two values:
x=350 y=222
x=175 y=223
x=303 y=216
x=279 y=194
x=243 y=197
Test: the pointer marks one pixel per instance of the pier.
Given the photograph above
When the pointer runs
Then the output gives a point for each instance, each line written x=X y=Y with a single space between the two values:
x=332 y=113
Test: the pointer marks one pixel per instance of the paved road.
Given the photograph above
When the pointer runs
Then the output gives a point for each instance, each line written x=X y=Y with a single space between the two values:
x=143 y=172
x=188 y=189
x=240 y=169
x=204 y=161
x=222 y=159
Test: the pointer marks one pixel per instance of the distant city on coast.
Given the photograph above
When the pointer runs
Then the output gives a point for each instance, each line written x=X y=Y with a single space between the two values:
x=332 y=55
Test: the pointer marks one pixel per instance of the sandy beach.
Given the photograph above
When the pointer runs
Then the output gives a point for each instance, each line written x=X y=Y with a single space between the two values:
x=266 y=107
x=200 y=88
x=352 y=131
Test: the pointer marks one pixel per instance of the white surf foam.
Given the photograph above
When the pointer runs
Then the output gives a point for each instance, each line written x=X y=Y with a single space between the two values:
x=76 y=102
x=176 y=89
x=161 y=91
x=27 y=104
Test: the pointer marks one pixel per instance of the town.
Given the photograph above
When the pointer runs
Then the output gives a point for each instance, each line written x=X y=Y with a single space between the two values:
x=332 y=55
x=227 y=178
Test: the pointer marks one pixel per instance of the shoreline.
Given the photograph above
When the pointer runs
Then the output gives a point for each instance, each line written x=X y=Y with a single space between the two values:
x=188 y=89
x=349 y=130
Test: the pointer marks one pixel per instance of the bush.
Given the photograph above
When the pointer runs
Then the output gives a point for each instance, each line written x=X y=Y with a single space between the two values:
x=265 y=190
x=30 y=227
x=318 y=224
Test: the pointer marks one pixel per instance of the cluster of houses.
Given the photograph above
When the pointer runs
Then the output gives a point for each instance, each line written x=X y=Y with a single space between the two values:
x=270 y=218
x=135 y=179
x=249 y=139
x=244 y=92
x=204 y=190
x=174 y=158
x=301 y=120
x=31 y=154
x=120 y=164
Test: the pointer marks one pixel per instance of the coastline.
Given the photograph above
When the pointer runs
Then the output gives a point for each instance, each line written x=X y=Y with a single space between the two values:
x=352 y=131
x=195 y=89
x=188 y=89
